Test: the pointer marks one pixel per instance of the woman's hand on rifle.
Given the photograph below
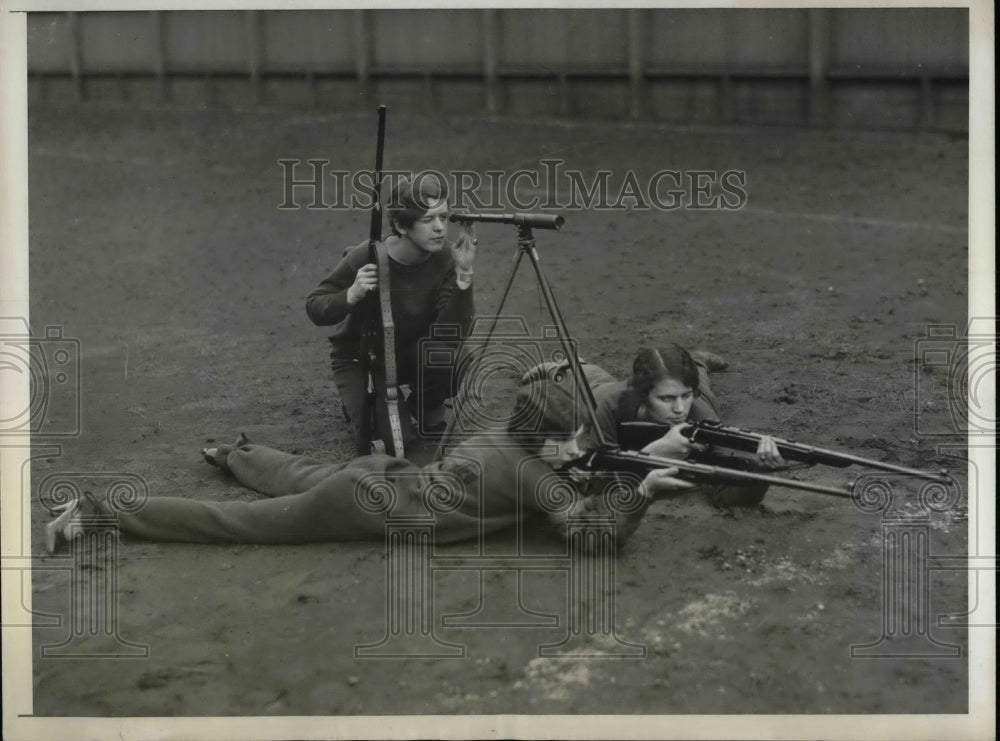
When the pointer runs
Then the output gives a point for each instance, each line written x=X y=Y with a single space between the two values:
x=767 y=453
x=674 y=445
x=366 y=280
x=464 y=254
x=663 y=482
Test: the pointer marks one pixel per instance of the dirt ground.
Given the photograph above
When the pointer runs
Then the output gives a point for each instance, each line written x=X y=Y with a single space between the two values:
x=156 y=241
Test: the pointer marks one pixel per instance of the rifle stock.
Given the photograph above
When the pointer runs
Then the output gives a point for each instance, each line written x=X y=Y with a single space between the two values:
x=640 y=464
x=636 y=435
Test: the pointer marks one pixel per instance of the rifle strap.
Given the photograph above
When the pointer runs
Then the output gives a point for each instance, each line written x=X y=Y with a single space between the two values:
x=393 y=401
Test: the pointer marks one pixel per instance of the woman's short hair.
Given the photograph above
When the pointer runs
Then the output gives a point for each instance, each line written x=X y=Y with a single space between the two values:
x=651 y=366
x=545 y=408
x=412 y=197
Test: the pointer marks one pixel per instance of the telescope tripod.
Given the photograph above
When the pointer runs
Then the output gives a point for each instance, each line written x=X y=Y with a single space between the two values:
x=526 y=248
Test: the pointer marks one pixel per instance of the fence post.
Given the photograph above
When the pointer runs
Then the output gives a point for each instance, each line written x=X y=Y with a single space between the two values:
x=636 y=65
x=362 y=51
x=75 y=54
x=819 y=61
x=254 y=43
x=489 y=17
x=160 y=54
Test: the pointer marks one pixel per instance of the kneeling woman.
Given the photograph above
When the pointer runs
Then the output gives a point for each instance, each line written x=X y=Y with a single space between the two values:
x=487 y=483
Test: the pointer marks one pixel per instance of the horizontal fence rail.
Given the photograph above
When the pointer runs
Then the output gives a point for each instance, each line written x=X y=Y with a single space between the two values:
x=898 y=67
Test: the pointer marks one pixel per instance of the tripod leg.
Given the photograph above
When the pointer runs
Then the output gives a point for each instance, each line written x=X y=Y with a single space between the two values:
x=462 y=393
x=587 y=393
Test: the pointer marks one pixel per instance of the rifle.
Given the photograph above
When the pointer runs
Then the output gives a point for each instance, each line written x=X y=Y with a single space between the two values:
x=609 y=458
x=375 y=225
x=612 y=458
x=636 y=435
x=386 y=414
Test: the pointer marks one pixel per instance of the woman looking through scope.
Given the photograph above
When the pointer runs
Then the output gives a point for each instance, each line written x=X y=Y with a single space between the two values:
x=430 y=286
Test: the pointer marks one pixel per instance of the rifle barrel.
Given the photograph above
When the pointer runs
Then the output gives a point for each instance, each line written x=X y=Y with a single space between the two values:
x=375 y=225
x=614 y=459
x=737 y=439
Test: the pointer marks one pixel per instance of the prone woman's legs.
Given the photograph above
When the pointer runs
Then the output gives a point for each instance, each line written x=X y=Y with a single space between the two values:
x=317 y=515
x=309 y=503
x=275 y=473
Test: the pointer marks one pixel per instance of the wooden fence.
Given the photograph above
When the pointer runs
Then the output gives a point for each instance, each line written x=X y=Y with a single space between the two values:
x=895 y=67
